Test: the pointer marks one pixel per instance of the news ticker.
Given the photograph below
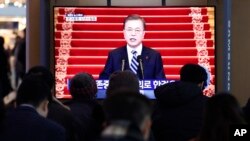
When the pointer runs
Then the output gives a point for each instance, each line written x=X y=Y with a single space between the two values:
x=146 y=87
x=239 y=132
x=144 y=84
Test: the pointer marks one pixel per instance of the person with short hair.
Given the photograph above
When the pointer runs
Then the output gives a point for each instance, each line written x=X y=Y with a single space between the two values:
x=27 y=122
x=179 y=108
x=58 y=112
x=125 y=80
x=145 y=62
x=195 y=74
x=128 y=117
x=85 y=107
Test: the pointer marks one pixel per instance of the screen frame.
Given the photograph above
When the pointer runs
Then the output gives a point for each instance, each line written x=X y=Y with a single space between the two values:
x=215 y=32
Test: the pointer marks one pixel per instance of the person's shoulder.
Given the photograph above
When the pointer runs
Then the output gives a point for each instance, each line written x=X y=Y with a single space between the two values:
x=33 y=118
x=54 y=129
x=44 y=123
x=52 y=126
x=56 y=110
x=150 y=50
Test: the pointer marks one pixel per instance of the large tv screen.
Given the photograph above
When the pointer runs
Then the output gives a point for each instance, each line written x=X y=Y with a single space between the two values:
x=83 y=37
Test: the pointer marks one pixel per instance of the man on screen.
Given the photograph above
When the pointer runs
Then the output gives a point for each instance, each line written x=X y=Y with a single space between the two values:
x=143 y=61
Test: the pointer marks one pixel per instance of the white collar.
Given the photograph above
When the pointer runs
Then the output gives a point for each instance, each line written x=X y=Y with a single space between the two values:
x=138 y=49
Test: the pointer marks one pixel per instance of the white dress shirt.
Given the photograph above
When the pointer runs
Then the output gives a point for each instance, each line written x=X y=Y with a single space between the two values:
x=130 y=55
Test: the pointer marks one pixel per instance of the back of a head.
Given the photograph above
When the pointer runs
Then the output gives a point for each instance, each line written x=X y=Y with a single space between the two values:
x=193 y=73
x=33 y=90
x=225 y=107
x=45 y=74
x=83 y=87
x=222 y=110
x=125 y=80
x=132 y=107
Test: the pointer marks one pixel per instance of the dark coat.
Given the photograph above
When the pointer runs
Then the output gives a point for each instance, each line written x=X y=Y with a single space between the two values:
x=25 y=124
x=246 y=110
x=151 y=60
x=65 y=118
x=179 y=111
x=91 y=117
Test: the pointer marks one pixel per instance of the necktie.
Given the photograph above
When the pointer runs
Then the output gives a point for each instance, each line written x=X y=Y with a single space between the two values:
x=134 y=64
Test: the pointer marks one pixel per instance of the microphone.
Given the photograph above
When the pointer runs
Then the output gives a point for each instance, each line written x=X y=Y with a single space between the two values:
x=123 y=64
x=139 y=58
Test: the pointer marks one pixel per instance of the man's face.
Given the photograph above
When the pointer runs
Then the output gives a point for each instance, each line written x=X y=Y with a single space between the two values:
x=134 y=32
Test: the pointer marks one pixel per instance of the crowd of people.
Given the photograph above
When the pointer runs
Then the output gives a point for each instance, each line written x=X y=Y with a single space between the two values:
x=180 y=112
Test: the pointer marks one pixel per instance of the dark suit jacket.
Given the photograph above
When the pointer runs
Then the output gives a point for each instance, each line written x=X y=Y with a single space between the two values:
x=25 y=124
x=151 y=60
x=91 y=117
x=65 y=118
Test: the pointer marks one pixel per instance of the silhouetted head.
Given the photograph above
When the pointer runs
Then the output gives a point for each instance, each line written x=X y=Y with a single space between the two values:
x=129 y=107
x=125 y=80
x=32 y=90
x=194 y=73
x=83 y=86
x=45 y=74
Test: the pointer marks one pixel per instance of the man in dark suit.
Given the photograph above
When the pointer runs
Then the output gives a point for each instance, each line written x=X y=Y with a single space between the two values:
x=27 y=122
x=143 y=61
x=57 y=111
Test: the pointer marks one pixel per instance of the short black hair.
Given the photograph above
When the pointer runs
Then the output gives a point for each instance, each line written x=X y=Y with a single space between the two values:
x=33 y=90
x=45 y=74
x=123 y=80
x=128 y=106
x=134 y=17
x=193 y=73
x=83 y=86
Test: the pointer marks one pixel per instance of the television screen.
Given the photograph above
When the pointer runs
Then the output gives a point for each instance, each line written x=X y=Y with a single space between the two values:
x=83 y=37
